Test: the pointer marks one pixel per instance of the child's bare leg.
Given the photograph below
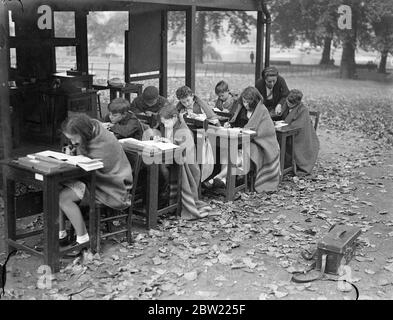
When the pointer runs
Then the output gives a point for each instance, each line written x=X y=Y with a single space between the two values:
x=224 y=167
x=223 y=172
x=62 y=229
x=68 y=205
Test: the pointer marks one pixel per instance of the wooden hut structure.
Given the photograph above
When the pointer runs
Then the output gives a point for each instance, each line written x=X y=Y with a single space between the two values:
x=145 y=44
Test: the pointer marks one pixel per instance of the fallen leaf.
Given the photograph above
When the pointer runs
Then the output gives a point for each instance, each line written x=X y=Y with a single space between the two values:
x=248 y=262
x=224 y=259
x=191 y=276
x=220 y=278
x=369 y=271
x=389 y=267
x=280 y=294
x=263 y=296
x=207 y=294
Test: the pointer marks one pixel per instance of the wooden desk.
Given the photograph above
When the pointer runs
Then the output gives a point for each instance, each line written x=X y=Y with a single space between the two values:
x=50 y=184
x=230 y=139
x=79 y=80
x=152 y=160
x=115 y=92
x=284 y=133
x=223 y=116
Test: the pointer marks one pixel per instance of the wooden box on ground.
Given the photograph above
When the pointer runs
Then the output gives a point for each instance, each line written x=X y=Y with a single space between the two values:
x=338 y=246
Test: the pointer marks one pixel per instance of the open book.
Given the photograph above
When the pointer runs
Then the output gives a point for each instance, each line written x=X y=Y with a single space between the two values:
x=279 y=124
x=83 y=162
x=149 y=144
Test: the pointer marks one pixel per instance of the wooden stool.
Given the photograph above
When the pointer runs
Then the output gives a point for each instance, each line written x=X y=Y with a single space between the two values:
x=283 y=135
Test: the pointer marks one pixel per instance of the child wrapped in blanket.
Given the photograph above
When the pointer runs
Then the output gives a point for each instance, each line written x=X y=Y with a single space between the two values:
x=264 y=150
x=306 y=143
x=177 y=131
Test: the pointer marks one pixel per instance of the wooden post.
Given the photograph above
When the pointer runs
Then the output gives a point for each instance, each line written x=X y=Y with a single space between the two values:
x=127 y=67
x=164 y=54
x=82 y=55
x=6 y=133
x=259 y=48
x=190 y=47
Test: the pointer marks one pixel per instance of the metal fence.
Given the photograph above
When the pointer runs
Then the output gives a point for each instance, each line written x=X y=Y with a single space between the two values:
x=110 y=69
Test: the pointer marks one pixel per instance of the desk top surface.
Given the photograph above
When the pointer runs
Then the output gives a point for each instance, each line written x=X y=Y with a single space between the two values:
x=287 y=129
x=125 y=87
x=70 y=169
x=65 y=75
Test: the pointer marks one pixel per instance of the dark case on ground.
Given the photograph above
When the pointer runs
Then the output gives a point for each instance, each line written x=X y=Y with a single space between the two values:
x=339 y=246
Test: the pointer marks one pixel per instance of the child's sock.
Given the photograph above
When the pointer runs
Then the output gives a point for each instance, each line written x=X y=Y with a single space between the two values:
x=62 y=234
x=82 y=239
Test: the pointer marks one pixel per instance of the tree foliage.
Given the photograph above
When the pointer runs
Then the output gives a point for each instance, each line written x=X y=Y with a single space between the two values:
x=102 y=29
x=212 y=23
x=315 y=21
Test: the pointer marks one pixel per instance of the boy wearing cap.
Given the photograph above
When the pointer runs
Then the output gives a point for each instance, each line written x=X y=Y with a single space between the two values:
x=149 y=102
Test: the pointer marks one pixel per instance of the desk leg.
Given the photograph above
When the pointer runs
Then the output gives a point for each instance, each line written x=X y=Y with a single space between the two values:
x=231 y=178
x=93 y=224
x=283 y=147
x=293 y=155
x=53 y=117
x=9 y=210
x=112 y=94
x=179 y=185
x=152 y=195
x=51 y=223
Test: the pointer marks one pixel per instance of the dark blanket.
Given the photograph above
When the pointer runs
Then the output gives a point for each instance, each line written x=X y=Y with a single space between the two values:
x=264 y=150
x=306 y=143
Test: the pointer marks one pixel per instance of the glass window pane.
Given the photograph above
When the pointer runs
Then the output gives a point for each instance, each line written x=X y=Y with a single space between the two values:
x=65 y=58
x=64 y=24
x=13 y=58
x=11 y=24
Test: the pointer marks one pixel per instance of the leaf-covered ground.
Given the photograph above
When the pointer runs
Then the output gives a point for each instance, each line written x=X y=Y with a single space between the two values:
x=250 y=250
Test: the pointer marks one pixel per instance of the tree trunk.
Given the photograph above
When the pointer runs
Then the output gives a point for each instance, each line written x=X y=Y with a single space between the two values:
x=348 y=65
x=200 y=36
x=327 y=45
x=382 y=63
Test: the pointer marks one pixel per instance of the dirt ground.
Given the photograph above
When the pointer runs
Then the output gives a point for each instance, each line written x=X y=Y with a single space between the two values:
x=250 y=250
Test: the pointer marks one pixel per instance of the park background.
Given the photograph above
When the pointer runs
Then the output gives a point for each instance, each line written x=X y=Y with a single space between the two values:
x=251 y=249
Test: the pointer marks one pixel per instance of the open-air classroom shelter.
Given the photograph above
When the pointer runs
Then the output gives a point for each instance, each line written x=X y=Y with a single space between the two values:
x=34 y=44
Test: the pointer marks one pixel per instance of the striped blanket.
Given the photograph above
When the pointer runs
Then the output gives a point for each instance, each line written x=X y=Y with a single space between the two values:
x=192 y=207
x=264 y=150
